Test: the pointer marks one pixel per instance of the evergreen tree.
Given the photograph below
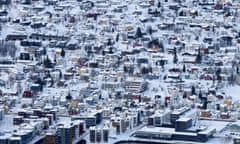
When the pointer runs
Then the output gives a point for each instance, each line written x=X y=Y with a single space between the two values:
x=218 y=74
x=95 y=17
x=62 y=52
x=125 y=69
x=55 y=59
x=185 y=95
x=166 y=103
x=111 y=50
x=232 y=80
x=175 y=58
x=109 y=42
x=69 y=97
x=162 y=63
x=159 y=4
x=150 y=31
x=144 y=70
x=27 y=2
x=47 y=63
x=184 y=68
x=47 y=74
x=150 y=69
x=40 y=82
x=138 y=33
x=198 y=57
x=89 y=52
x=117 y=37
x=60 y=74
x=193 y=90
x=44 y=52
x=103 y=53
x=200 y=95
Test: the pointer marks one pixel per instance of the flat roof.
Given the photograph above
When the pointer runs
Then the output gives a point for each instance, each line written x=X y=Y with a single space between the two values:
x=164 y=130
x=207 y=131
x=150 y=129
x=185 y=119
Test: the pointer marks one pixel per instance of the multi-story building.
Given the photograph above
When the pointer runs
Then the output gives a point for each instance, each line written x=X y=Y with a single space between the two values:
x=91 y=119
x=160 y=118
x=26 y=135
x=64 y=134
x=15 y=140
x=135 y=85
x=50 y=138
x=98 y=135
x=92 y=134
x=105 y=134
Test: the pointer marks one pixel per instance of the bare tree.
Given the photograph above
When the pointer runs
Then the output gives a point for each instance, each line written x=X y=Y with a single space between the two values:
x=7 y=48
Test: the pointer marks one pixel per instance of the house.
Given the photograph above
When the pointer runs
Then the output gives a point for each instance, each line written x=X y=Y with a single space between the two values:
x=44 y=37
x=15 y=37
x=135 y=85
x=5 y=2
x=3 y=13
x=92 y=119
x=38 y=25
x=24 y=56
x=226 y=41
x=189 y=60
x=111 y=83
x=31 y=43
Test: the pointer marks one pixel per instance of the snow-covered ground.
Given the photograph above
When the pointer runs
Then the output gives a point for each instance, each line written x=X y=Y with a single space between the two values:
x=107 y=35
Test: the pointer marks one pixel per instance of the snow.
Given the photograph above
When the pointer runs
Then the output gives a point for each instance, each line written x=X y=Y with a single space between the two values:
x=107 y=25
x=233 y=92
